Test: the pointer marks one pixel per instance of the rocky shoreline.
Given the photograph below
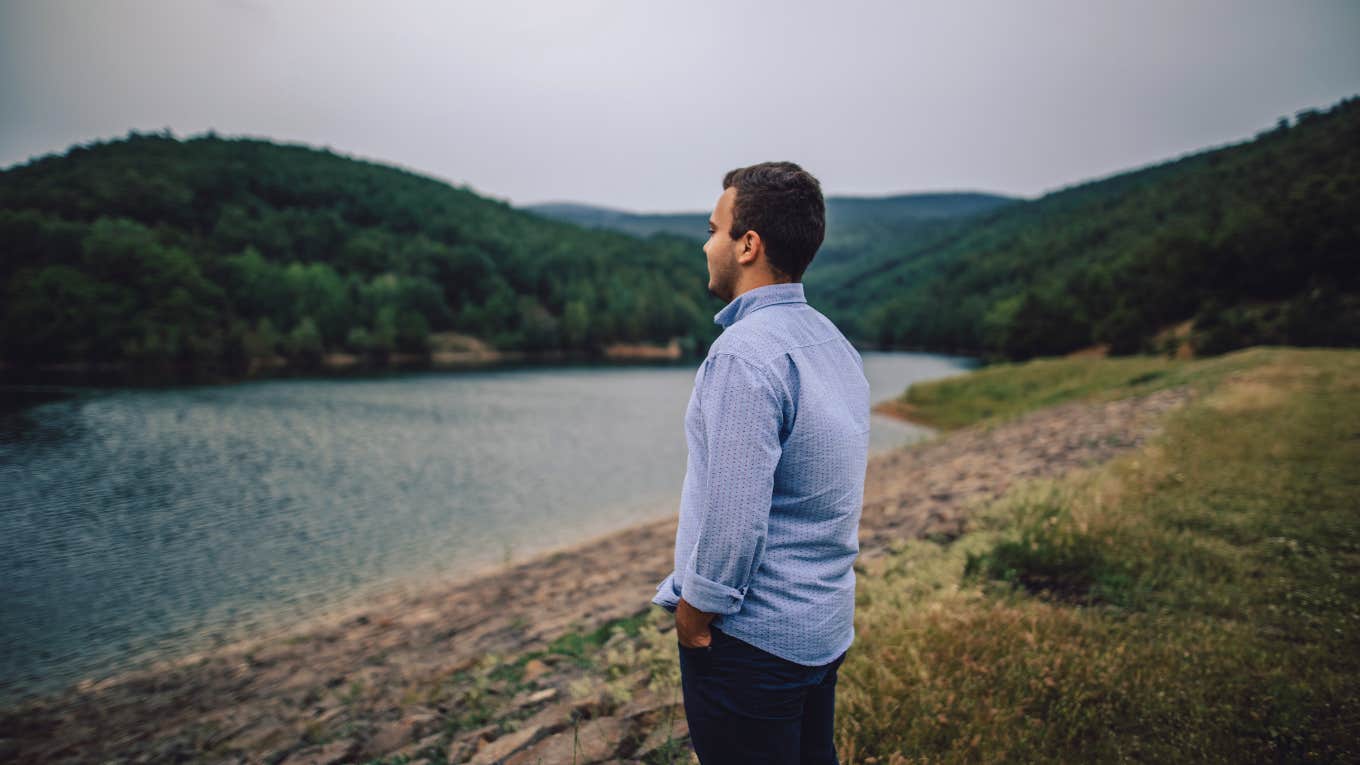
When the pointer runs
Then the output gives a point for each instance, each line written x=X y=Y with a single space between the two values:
x=557 y=659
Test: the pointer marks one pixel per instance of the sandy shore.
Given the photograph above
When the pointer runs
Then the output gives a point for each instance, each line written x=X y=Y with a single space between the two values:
x=403 y=673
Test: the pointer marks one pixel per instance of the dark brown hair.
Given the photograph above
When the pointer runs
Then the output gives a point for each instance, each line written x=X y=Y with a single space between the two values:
x=783 y=203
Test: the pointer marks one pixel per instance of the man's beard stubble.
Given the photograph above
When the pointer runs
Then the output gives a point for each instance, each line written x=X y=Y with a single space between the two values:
x=724 y=282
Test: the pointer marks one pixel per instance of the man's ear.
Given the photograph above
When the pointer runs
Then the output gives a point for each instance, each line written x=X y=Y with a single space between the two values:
x=750 y=246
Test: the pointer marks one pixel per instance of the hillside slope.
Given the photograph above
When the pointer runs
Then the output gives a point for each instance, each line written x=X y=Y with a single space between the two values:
x=1257 y=242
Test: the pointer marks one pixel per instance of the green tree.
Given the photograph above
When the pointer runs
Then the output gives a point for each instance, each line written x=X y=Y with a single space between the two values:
x=262 y=341
x=303 y=344
x=576 y=324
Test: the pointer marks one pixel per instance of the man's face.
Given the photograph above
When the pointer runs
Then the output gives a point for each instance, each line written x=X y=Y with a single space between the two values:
x=721 y=248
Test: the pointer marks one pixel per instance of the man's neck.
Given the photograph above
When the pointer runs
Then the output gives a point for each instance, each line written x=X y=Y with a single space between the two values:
x=759 y=281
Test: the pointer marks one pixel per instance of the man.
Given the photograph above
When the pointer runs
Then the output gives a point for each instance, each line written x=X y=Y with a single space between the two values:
x=763 y=588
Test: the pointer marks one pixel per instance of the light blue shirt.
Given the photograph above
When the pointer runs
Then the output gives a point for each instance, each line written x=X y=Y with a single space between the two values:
x=778 y=436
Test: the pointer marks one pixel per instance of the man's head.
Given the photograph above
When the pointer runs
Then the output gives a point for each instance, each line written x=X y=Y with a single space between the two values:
x=765 y=228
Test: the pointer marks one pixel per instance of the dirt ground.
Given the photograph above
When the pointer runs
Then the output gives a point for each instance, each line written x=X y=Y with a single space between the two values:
x=354 y=687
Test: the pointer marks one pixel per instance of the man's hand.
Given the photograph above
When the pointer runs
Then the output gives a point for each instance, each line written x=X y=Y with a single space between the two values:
x=691 y=625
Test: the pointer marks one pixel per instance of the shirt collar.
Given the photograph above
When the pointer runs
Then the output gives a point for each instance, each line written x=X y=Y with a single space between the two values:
x=759 y=297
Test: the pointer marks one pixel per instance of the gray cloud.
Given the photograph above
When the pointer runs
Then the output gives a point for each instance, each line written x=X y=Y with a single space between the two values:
x=644 y=105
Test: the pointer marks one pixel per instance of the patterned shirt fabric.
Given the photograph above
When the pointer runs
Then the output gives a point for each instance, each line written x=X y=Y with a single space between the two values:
x=778 y=435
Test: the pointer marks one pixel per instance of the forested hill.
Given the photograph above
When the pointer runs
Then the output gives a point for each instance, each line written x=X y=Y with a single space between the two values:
x=208 y=251
x=1258 y=243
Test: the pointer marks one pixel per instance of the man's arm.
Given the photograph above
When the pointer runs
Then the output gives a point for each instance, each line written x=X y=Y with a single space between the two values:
x=742 y=414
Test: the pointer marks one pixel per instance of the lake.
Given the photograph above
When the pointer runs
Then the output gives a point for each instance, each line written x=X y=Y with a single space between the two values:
x=138 y=524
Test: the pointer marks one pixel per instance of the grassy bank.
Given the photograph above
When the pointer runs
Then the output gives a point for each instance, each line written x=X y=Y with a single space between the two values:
x=1195 y=601
x=998 y=393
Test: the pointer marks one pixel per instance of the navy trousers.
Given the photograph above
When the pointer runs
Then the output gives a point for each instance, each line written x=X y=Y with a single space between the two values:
x=746 y=706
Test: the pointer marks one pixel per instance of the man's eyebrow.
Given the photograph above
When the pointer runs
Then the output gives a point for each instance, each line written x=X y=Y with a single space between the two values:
x=712 y=223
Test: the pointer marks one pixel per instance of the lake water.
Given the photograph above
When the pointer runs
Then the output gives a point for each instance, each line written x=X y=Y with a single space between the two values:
x=137 y=524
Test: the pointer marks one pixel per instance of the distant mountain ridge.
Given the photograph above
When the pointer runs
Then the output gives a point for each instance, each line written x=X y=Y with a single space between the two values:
x=860 y=229
x=840 y=211
x=687 y=224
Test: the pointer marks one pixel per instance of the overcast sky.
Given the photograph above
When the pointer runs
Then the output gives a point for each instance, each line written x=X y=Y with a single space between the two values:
x=644 y=105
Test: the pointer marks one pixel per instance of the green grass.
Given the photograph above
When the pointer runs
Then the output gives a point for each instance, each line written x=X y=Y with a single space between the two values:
x=582 y=646
x=1195 y=601
x=1003 y=391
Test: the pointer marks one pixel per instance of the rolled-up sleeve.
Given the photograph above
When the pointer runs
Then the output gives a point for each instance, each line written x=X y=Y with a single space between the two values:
x=666 y=596
x=741 y=413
